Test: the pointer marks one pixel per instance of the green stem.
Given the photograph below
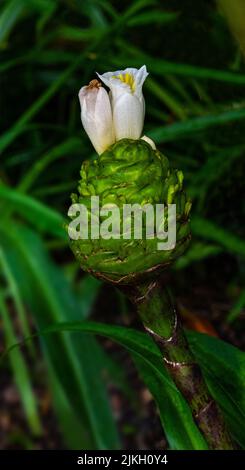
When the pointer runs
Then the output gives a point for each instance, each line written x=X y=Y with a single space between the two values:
x=161 y=321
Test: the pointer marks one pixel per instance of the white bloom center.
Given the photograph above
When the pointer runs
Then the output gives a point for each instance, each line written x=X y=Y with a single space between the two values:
x=126 y=78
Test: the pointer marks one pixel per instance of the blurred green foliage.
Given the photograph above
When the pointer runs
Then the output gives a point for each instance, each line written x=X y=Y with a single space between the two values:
x=195 y=111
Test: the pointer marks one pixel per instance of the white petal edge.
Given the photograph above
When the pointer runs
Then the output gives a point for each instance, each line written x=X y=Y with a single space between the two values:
x=139 y=75
x=149 y=141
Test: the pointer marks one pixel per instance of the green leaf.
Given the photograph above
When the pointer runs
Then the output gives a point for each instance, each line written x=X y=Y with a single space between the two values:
x=135 y=58
x=11 y=134
x=41 y=216
x=136 y=6
x=67 y=147
x=76 y=362
x=69 y=424
x=15 y=294
x=213 y=170
x=21 y=373
x=175 y=414
x=165 y=96
x=237 y=308
x=224 y=369
x=180 y=130
x=77 y=34
x=9 y=16
x=88 y=289
x=210 y=231
x=223 y=366
x=197 y=252
x=148 y=17
x=162 y=67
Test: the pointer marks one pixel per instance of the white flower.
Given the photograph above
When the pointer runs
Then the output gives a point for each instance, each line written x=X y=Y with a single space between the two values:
x=96 y=115
x=128 y=106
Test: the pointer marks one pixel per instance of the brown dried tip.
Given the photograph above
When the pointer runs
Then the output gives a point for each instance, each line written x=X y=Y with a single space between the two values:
x=94 y=84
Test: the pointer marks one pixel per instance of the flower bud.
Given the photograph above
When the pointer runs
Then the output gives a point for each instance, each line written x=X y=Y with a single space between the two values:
x=96 y=115
x=128 y=106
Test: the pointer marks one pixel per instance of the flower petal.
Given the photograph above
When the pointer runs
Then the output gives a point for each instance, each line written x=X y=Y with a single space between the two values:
x=149 y=141
x=131 y=79
x=96 y=116
x=128 y=106
x=128 y=117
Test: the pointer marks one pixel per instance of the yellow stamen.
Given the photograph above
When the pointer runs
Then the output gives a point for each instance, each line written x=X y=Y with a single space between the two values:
x=126 y=78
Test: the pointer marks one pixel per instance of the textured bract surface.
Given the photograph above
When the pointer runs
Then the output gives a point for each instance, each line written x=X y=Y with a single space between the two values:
x=130 y=172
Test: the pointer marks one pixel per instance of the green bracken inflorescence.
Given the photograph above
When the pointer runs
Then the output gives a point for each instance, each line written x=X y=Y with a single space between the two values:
x=130 y=172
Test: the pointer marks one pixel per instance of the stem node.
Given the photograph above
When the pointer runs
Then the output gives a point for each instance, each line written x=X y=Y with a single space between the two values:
x=161 y=321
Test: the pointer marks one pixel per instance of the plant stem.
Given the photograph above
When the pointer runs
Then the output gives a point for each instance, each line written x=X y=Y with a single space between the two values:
x=161 y=321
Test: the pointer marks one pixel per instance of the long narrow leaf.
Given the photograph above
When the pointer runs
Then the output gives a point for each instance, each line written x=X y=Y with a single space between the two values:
x=21 y=373
x=180 y=130
x=211 y=231
x=75 y=362
x=43 y=217
x=222 y=364
x=178 y=423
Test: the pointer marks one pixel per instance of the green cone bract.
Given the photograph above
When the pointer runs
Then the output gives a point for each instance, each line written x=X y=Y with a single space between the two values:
x=130 y=172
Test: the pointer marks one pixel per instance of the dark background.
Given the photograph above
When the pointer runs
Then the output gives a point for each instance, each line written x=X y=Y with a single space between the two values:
x=195 y=113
